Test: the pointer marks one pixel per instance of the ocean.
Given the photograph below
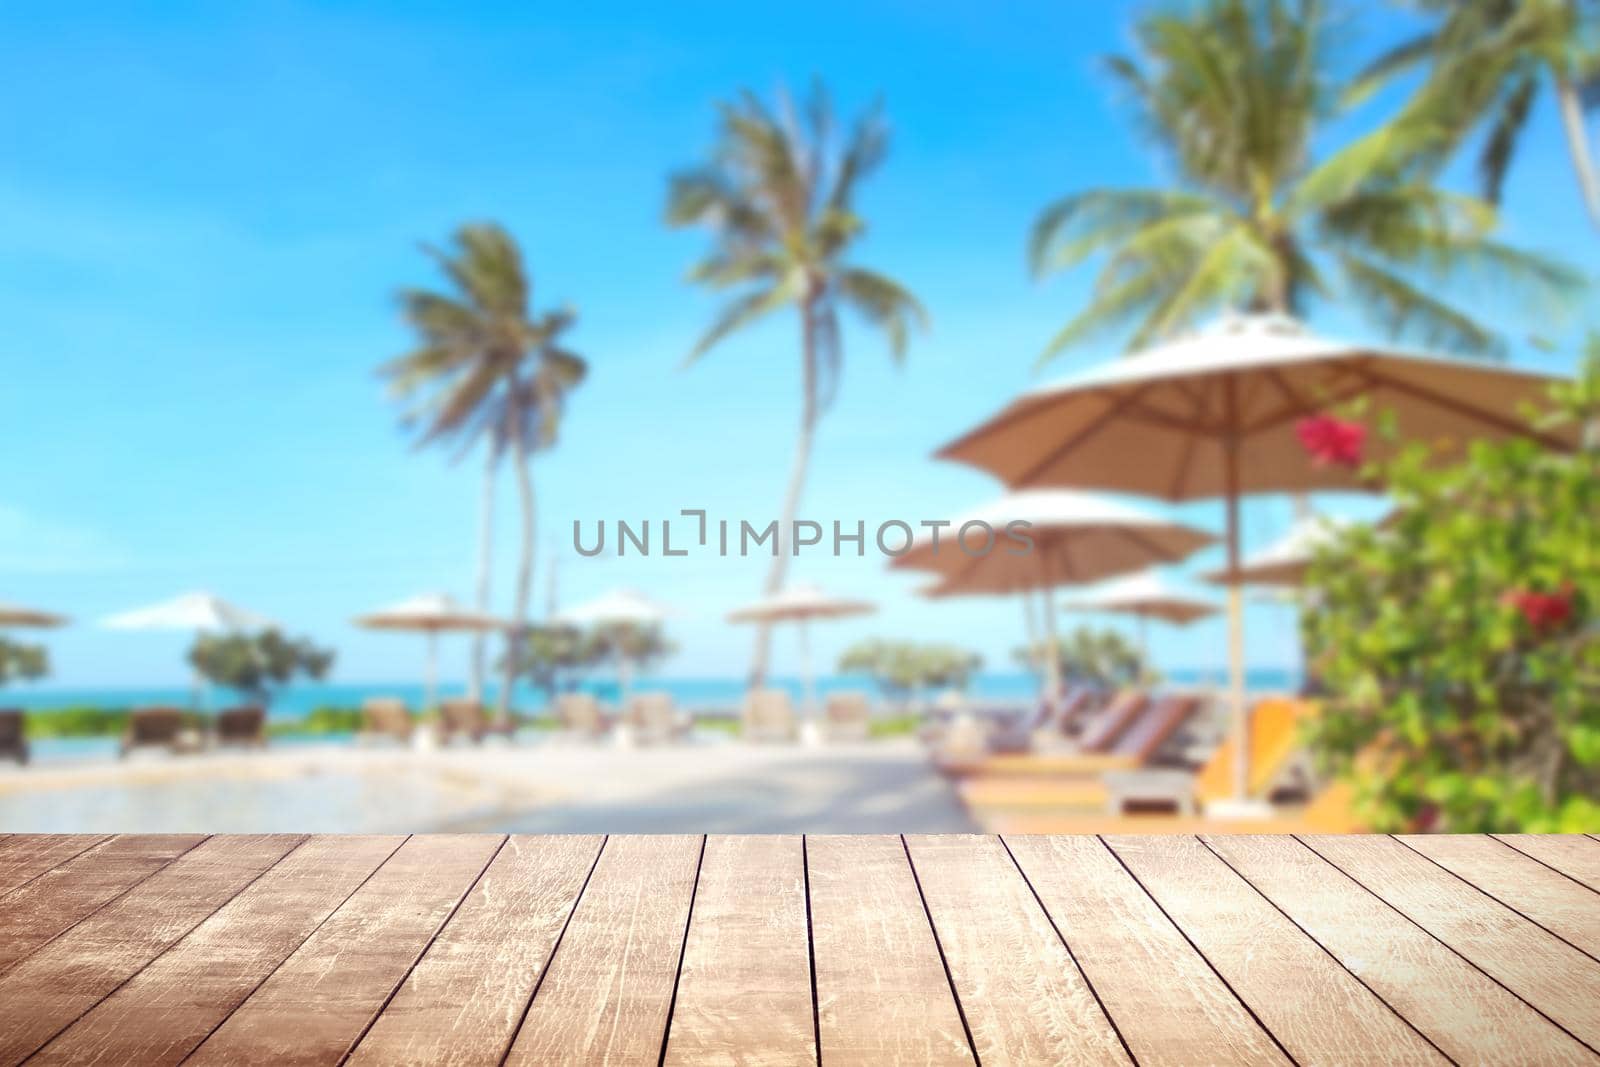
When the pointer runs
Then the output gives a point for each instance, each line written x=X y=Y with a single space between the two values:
x=699 y=694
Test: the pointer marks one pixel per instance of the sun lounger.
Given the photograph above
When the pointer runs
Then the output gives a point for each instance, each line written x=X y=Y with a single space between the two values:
x=166 y=728
x=1098 y=737
x=580 y=713
x=467 y=718
x=847 y=717
x=768 y=716
x=653 y=718
x=13 y=736
x=386 y=719
x=245 y=726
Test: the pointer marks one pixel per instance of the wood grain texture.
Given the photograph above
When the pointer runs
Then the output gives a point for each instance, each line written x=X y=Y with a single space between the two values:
x=314 y=1007
x=62 y=896
x=1315 y=1008
x=463 y=1001
x=1024 y=997
x=882 y=992
x=1540 y=968
x=1521 y=883
x=23 y=857
x=1171 y=1007
x=1472 y=1018
x=44 y=993
x=744 y=990
x=605 y=995
x=163 y=1012
x=1574 y=855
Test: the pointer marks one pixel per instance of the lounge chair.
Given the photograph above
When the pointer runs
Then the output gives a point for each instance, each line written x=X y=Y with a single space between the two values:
x=580 y=713
x=166 y=728
x=1072 y=779
x=386 y=719
x=1278 y=773
x=245 y=726
x=466 y=718
x=847 y=716
x=1101 y=733
x=13 y=736
x=768 y=716
x=653 y=718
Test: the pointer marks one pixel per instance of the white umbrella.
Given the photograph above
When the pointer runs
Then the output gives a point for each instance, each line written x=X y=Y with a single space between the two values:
x=619 y=607
x=1076 y=538
x=198 y=613
x=1144 y=596
x=1214 y=414
x=1285 y=561
x=800 y=603
x=430 y=614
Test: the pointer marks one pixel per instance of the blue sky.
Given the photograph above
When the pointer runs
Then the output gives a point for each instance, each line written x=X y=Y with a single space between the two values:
x=205 y=209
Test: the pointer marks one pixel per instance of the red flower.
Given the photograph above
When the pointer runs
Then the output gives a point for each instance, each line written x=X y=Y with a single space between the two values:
x=1543 y=611
x=1332 y=441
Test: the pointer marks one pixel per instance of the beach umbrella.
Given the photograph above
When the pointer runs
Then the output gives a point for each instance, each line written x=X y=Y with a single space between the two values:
x=1285 y=561
x=430 y=614
x=1216 y=414
x=1074 y=538
x=1144 y=596
x=198 y=613
x=17 y=615
x=800 y=604
x=619 y=607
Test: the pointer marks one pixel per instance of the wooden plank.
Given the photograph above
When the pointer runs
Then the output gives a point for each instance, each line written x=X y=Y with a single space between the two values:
x=319 y=1002
x=40 y=910
x=463 y=1000
x=1574 y=855
x=882 y=992
x=1526 y=886
x=1540 y=968
x=607 y=991
x=1168 y=1003
x=164 y=1011
x=1024 y=997
x=1314 y=1007
x=1472 y=1018
x=744 y=990
x=23 y=857
x=47 y=991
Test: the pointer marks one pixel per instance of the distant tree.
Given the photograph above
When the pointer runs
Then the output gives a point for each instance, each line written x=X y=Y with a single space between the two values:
x=556 y=658
x=903 y=669
x=488 y=370
x=642 y=647
x=1102 y=658
x=1238 y=95
x=22 y=663
x=1458 y=642
x=778 y=195
x=257 y=664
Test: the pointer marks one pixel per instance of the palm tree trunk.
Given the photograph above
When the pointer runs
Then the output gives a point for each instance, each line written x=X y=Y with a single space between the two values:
x=524 y=587
x=797 y=480
x=485 y=564
x=1578 y=147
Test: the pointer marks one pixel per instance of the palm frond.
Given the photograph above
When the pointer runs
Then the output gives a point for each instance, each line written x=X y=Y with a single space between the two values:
x=740 y=312
x=1077 y=226
x=884 y=303
x=1407 y=311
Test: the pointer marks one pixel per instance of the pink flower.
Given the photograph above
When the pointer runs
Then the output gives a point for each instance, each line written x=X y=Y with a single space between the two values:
x=1332 y=441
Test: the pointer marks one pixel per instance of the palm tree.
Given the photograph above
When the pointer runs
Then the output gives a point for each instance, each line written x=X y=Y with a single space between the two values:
x=777 y=195
x=487 y=372
x=1488 y=62
x=1235 y=95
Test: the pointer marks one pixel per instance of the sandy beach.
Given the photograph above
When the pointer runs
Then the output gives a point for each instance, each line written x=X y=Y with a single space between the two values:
x=550 y=786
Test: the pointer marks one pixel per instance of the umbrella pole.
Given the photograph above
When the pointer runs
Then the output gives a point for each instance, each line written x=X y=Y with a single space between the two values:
x=430 y=688
x=1035 y=655
x=808 y=692
x=1052 y=657
x=1144 y=644
x=1241 y=720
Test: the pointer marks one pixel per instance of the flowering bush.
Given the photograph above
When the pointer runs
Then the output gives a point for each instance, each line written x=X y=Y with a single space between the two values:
x=1460 y=642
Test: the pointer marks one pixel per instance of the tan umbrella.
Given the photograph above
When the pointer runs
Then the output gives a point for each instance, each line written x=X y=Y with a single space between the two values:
x=1214 y=414
x=1145 y=597
x=800 y=604
x=1075 y=538
x=430 y=614
x=17 y=615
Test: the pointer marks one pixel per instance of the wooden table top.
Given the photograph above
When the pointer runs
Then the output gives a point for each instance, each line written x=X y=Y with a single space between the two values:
x=281 y=949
